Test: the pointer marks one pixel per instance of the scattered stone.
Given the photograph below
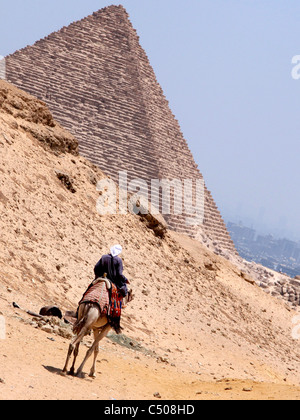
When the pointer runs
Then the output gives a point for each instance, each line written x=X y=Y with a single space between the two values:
x=157 y=395
x=65 y=333
x=47 y=329
x=66 y=180
x=146 y=292
x=161 y=359
x=247 y=278
x=210 y=266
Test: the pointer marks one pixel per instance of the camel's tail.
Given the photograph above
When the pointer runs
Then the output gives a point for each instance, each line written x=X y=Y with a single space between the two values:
x=80 y=323
x=78 y=326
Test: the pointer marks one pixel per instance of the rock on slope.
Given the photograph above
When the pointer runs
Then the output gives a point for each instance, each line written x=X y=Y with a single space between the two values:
x=34 y=117
x=192 y=308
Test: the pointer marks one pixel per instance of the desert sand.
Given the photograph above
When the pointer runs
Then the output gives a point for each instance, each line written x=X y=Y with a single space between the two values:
x=195 y=330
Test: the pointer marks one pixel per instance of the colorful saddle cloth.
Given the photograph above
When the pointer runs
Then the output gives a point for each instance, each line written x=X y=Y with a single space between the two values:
x=115 y=309
x=109 y=301
x=97 y=294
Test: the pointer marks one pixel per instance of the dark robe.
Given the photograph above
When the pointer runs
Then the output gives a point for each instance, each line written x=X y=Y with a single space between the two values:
x=113 y=267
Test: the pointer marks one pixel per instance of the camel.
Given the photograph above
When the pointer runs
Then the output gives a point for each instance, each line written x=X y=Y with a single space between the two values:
x=89 y=318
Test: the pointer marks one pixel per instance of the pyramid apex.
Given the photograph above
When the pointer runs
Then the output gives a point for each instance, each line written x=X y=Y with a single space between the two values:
x=112 y=8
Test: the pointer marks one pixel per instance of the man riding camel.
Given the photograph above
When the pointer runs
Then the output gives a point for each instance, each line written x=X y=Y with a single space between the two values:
x=99 y=309
x=112 y=265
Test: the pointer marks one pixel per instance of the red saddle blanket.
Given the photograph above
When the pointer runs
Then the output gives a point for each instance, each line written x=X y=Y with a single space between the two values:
x=109 y=301
x=97 y=294
x=116 y=302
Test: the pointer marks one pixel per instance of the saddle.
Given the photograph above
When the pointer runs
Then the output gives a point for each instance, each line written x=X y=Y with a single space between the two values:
x=106 y=295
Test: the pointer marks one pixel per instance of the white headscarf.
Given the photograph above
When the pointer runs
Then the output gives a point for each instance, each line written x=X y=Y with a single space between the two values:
x=116 y=250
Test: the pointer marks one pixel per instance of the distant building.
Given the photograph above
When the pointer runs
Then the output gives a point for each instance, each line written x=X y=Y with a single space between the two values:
x=241 y=232
x=282 y=255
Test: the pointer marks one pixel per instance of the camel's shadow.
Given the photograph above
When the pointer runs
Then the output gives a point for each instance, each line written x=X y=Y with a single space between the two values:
x=52 y=369
x=60 y=372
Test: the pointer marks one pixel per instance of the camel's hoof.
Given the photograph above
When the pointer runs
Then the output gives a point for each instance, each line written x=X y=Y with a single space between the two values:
x=63 y=373
x=71 y=373
x=92 y=375
x=80 y=375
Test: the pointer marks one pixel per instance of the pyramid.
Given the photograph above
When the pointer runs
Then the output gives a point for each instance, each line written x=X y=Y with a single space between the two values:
x=98 y=83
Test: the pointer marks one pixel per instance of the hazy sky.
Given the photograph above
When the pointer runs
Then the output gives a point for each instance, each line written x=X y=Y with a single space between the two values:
x=225 y=67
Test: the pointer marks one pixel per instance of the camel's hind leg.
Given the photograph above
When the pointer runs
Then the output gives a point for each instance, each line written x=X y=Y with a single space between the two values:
x=105 y=330
x=88 y=315
x=74 y=346
x=70 y=351
x=96 y=352
x=76 y=351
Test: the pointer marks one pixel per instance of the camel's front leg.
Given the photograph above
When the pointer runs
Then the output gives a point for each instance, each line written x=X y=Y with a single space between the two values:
x=100 y=336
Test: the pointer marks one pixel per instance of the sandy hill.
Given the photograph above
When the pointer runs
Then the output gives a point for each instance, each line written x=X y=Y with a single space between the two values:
x=196 y=328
